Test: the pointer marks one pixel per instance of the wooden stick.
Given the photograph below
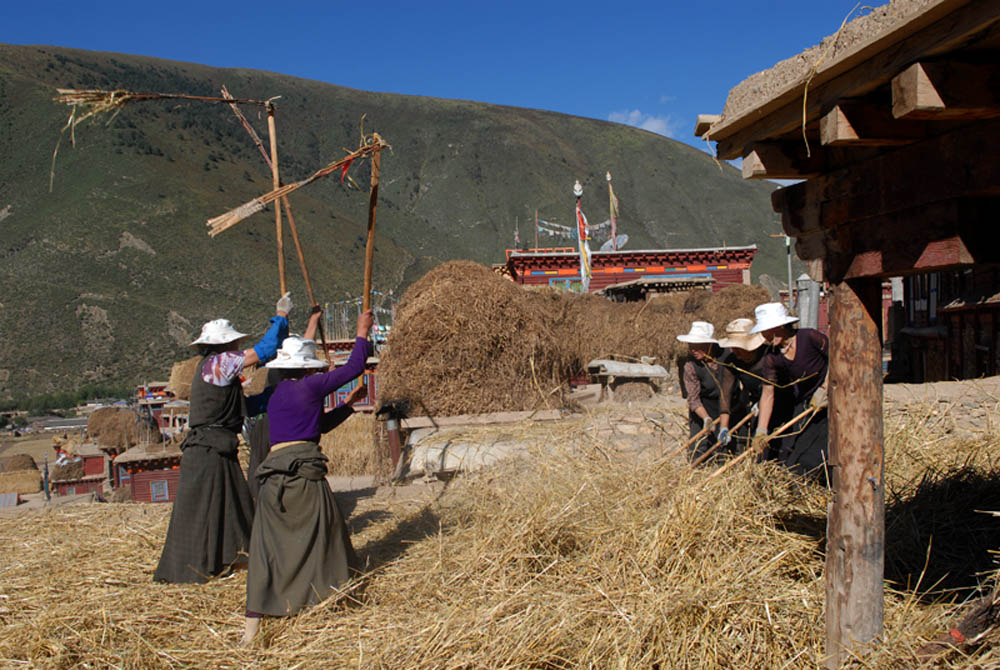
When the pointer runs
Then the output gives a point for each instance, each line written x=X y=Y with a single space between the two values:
x=288 y=208
x=366 y=300
x=776 y=433
x=739 y=424
x=272 y=132
x=697 y=436
x=226 y=221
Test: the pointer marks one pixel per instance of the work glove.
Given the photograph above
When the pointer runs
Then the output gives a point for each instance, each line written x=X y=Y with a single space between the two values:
x=706 y=423
x=754 y=410
x=760 y=440
x=724 y=437
x=284 y=303
x=819 y=398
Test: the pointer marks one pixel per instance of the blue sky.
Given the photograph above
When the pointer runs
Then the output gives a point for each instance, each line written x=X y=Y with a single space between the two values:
x=654 y=65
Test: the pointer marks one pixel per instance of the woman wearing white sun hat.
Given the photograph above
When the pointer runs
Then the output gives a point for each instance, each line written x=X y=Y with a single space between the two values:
x=210 y=522
x=300 y=550
x=709 y=387
x=798 y=360
x=744 y=355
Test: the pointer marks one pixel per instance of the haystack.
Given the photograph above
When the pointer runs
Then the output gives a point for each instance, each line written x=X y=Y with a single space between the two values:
x=468 y=341
x=17 y=462
x=20 y=481
x=121 y=428
x=181 y=375
x=68 y=472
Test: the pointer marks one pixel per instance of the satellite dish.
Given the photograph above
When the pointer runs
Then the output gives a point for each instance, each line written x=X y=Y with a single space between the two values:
x=620 y=242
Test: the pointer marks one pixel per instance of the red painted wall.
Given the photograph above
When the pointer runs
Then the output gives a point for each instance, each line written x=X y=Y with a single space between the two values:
x=144 y=483
x=74 y=488
x=93 y=465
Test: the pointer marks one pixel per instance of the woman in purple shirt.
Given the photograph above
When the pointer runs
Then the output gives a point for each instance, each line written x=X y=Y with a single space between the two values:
x=798 y=362
x=300 y=548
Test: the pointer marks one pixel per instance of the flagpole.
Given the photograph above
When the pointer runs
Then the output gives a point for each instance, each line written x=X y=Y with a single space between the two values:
x=536 y=230
x=611 y=201
x=581 y=234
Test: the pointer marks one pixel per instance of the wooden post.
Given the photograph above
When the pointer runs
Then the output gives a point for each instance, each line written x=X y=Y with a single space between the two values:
x=366 y=300
x=536 y=230
x=272 y=133
x=855 y=546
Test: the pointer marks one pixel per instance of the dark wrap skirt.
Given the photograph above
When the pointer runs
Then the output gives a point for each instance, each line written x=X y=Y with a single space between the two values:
x=300 y=549
x=806 y=451
x=212 y=516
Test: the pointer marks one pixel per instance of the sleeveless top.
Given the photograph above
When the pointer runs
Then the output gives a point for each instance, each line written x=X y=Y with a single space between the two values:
x=216 y=406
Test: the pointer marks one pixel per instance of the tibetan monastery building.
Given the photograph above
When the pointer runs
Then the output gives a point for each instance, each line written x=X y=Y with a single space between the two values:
x=560 y=267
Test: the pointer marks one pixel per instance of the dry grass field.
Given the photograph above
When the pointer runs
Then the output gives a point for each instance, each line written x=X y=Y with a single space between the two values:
x=578 y=556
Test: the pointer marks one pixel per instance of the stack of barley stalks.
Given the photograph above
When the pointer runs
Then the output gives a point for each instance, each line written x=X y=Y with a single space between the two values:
x=466 y=340
x=571 y=558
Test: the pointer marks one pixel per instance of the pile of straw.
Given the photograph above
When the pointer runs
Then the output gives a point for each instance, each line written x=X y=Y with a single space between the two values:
x=17 y=462
x=69 y=472
x=468 y=341
x=121 y=428
x=20 y=481
x=570 y=559
x=181 y=375
x=19 y=474
x=349 y=447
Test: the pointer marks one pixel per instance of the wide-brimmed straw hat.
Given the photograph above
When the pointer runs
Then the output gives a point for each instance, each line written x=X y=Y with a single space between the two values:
x=218 y=331
x=739 y=334
x=701 y=333
x=772 y=315
x=296 y=353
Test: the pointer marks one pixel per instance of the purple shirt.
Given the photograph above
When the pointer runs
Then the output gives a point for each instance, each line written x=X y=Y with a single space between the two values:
x=809 y=365
x=296 y=407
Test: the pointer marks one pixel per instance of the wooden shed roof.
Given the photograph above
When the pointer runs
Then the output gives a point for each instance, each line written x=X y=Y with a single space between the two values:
x=888 y=131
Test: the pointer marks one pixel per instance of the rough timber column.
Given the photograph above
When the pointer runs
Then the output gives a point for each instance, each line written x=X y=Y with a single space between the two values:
x=856 y=519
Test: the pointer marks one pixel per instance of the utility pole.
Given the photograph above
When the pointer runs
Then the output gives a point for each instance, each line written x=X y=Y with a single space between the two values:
x=788 y=258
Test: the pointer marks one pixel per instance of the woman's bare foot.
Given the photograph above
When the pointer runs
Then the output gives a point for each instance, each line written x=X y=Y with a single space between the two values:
x=252 y=625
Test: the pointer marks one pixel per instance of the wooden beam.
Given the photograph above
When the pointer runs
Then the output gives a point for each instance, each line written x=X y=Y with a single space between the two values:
x=943 y=26
x=782 y=160
x=947 y=90
x=479 y=419
x=855 y=535
x=943 y=235
x=947 y=167
x=705 y=122
x=861 y=124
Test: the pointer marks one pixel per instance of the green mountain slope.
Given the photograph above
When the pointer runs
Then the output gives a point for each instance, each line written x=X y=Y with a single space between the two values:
x=110 y=275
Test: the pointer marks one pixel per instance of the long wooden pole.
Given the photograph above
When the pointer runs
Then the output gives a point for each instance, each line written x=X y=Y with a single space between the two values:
x=855 y=530
x=697 y=436
x=366 y=300
x=275 y=177
x=285 y=203
x=777 y=433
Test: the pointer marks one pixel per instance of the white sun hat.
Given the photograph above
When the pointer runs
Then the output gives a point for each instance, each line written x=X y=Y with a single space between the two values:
x=739 y=334
x=772 y=315
x=295 y=353
x=218 y=331
x=701 y=333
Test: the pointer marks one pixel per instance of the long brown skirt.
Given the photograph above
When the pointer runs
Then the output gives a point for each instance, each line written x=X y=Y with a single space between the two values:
x=300 y=548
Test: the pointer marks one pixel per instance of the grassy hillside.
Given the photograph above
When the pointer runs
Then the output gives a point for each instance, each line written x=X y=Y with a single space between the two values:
x=108 y=276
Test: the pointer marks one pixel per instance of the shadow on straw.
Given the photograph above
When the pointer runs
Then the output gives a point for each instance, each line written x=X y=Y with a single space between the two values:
x=394 y=544
x=939 y=543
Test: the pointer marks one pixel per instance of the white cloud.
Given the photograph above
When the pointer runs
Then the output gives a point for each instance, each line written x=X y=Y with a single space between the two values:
x=666 y=125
